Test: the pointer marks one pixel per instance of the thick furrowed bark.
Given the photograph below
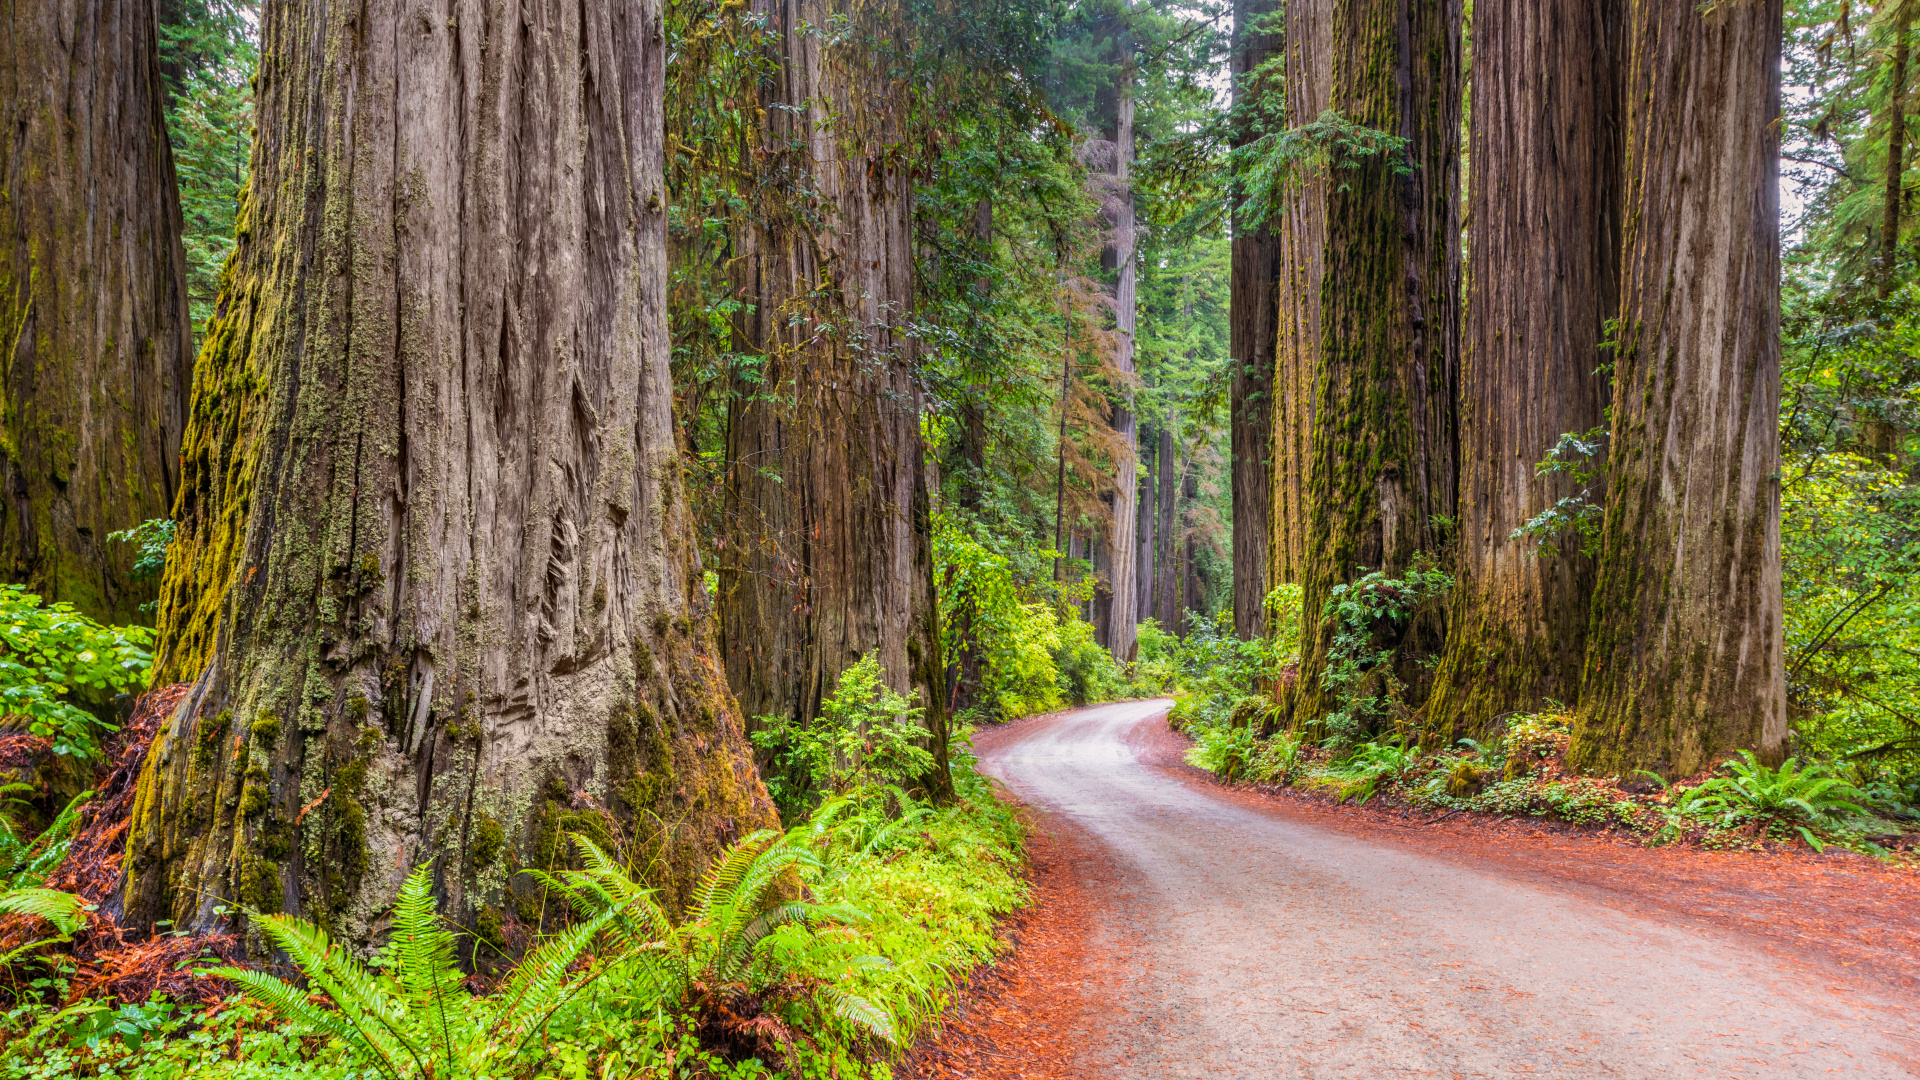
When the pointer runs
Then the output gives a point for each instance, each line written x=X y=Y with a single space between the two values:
x=1252 y=312
x=830 y=554
x=436 y=573
x=1383 y=436
x=1300 y=237
x=1543 y=278
x=1685 y=655
x=93 y=308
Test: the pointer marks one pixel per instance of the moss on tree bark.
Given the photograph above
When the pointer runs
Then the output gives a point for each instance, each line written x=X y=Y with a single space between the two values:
x=1381 y=476
x=1685 y=656
x=435 y=579
x=93 y=309
x=1543 y=278
x=829 y=554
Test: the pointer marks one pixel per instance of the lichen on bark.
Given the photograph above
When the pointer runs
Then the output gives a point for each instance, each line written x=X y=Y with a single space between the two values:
x=1685 y=649
x=432 y=564
x=95 y=346
x=1381 y=475
x=828 y=551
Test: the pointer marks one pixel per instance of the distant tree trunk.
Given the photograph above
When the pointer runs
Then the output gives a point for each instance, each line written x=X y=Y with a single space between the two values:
x=1382 y=474
x=1166 y=580
x=1118 y=257
x=436 y=580
x=831 y=552
x=1194 y=595
x=1143 y=529
x=1252 y=296
x=1895 y=192
x=93 y=305
x=1300 y=240
x=1685 y=658
x=1543 y=279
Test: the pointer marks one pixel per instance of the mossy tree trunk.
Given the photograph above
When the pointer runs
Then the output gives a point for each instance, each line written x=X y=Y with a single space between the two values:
x=1381 y=480
x=829 y=556
x=1252 y=308
x=1119 y=257
x=1684 y=653
x=93 y=306
x=1300 y=237
x=436 y=581
x=1146 y=524
x=1543 y=279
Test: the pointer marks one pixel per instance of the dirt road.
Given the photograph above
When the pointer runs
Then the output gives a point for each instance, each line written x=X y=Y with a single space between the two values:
x=1227 y=939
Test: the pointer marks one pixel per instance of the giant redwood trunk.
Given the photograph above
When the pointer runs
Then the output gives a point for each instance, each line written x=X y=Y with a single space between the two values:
x=1543 y=279
x=93 y=307
x=1119 y=257
x=1251 y=310
x=436 y=583
x=1381 y=479
x=1684 y=653
x=1299 y=241
x=829 y=556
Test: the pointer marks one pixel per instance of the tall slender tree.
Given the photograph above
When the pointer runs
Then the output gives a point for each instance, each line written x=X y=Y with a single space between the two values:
x=1893 y=198
x=1300 y=238
x=1119 y=258
x=435 y=582
x=1543 y=279
x=1685 y=656
x=1254 y=300
x=830 y=557
x=1381 y=481
x=93 y=307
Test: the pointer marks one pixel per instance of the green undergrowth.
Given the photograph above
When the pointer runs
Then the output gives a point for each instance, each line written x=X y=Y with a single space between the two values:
x=1521 y=774
x=814 y=953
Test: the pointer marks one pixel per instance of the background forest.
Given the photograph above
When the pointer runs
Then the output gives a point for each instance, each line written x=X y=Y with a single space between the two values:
x=1006 y=355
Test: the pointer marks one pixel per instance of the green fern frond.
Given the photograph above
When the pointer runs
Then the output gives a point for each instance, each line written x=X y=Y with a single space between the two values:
x=860 y=1012
x=541 y=986
x=294 y=1005
x=727 y=872
x=67 y=912
x=333 y=971
x=422 y=953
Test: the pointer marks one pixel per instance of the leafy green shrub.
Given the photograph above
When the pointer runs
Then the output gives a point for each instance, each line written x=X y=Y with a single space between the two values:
x=1087 y=672
x=983 y=608
x=150 y=540
x=1372 y=764
x=1370 y=619
x=865 y=734
x=55 y=662
x=1222 y=749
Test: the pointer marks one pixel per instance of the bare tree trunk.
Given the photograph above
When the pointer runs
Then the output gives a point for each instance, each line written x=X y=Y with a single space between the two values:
x=1252 y=296
x=1543 y=279
x=1119 y=257
x=1895 y=190
x=1685 y=659
x=1166 y=581
x=1194 y=589
x=93 y=307
x=1383 y=438
x=831 y=554
x=1300 y=238
x=436 y=578
x=1143 y=529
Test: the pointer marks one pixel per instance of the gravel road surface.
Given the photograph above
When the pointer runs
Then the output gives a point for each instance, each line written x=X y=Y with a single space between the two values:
x=1240 y=942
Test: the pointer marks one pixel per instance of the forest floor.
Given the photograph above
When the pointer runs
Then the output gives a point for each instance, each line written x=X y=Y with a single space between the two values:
x=1182 y=928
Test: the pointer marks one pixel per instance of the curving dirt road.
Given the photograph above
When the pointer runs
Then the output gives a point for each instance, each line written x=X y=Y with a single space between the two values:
x=1235 y=940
